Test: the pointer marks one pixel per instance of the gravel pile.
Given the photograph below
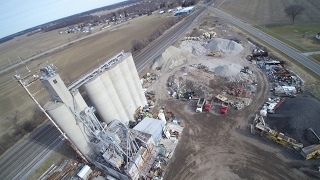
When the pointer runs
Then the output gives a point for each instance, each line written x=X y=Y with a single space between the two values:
x=194 y=47
x=296 y=115
x=227 y=70
x=227 y=47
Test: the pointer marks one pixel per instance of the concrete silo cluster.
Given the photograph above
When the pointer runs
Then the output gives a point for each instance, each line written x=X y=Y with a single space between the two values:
x=115 y=90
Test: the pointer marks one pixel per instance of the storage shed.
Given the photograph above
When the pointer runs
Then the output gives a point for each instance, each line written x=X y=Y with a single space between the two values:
x=185 y=11
x=151 y=126
x=84 y=172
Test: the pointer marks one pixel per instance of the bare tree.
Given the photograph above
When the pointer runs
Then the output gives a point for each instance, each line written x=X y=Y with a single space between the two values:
x=293 y=11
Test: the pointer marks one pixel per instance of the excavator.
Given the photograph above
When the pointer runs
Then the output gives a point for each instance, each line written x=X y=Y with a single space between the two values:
x=215 y=53
x=260 y=127
x=312 y=151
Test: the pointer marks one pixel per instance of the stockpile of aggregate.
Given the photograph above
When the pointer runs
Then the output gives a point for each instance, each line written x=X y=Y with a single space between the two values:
x=227 y=47
x=194 y=47
x=227 y=70
x=296 y=115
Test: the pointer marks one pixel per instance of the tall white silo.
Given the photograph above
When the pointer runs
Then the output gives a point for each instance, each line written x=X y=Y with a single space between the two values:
x=65 y=119
x=130 y=83
x=105 y=79
x=122 y=90
x=136 y=79
x=56 y=87
x=78 y=101
x=101 y=100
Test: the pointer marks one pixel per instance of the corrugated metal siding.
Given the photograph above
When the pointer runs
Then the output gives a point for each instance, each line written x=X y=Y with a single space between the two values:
x=151 y=126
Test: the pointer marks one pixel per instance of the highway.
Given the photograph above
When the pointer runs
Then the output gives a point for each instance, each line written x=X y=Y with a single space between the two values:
x=155 y=49
x=299 y=57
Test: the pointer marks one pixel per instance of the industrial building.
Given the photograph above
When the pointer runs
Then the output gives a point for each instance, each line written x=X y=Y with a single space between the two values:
x=185 y=11
x=115 y=90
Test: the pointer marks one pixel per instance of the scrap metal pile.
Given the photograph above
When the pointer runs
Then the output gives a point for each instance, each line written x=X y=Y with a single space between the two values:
x=285 y=82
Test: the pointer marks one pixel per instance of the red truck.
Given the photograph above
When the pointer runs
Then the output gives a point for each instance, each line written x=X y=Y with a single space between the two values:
x=224 y=108
x=207 y=106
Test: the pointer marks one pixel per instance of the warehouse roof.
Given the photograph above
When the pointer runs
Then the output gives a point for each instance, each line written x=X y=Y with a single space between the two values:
x=151 y=126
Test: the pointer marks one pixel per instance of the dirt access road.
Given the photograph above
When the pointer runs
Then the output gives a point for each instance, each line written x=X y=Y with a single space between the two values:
x=214 y=146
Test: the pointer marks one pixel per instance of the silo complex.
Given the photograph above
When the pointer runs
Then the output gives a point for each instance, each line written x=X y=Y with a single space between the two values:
x=64 y=108
x=129 y=82
x=116 y=103
x=122 y=90
x=65 y=119
x=101 y=100
x=135 y=78
x=116 y=92
x=78 y=101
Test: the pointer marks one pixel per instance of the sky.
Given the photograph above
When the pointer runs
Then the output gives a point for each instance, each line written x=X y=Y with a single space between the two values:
x=18 y=15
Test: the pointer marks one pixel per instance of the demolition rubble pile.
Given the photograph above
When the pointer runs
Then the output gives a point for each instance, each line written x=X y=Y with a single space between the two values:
x=227 y=70
x=193 y=81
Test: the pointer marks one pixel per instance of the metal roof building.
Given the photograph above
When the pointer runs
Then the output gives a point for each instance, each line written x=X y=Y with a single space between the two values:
x=151 y=126
x=186 y=11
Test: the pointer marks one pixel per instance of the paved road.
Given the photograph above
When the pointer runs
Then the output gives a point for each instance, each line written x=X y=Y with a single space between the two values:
x=271 y=41
x=148 y=54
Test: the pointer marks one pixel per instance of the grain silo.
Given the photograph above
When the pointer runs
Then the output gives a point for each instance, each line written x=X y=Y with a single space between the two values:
x=122 y=90
x=101 y=100
x=115 y=100
x=136 y=80
x=114 y=88
x=78 y=101
x=65 y=119
x=129 y=82
x=65 y=108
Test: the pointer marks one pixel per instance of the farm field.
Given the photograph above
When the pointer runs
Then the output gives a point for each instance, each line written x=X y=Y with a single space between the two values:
x=300 y=37
x=71 y=61
x=269 y=11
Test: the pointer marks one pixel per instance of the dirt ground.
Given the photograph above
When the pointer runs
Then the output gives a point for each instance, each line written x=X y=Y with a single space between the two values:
x=215 y=146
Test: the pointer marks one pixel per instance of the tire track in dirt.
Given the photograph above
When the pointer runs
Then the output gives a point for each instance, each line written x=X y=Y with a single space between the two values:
x=223 y=151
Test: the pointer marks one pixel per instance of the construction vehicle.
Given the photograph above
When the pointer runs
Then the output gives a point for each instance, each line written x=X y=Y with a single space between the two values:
x=312 y=151
x=207 y=106
x=221 y=98
x=223 y=108
x=200 y=105
x=260 y=127
x=215 y=53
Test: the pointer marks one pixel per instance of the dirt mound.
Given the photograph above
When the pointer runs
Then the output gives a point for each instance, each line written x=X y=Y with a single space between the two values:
x=227 y=47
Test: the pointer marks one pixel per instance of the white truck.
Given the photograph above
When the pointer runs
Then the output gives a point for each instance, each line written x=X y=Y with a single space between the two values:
x=200 y=104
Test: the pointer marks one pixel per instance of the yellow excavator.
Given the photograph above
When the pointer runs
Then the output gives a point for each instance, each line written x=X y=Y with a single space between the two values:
x=215 y=53
x=312 y=151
